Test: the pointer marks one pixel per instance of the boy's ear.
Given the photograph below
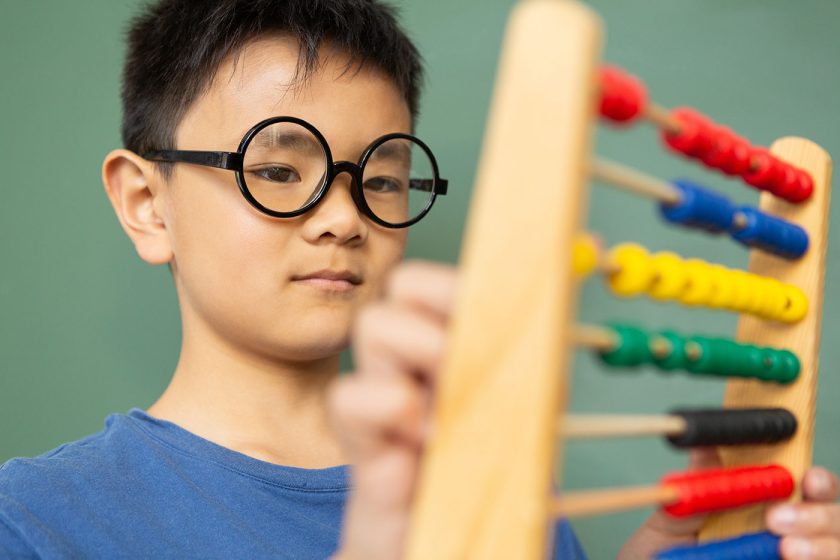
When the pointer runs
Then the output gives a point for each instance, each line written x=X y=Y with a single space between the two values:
x=140 y=203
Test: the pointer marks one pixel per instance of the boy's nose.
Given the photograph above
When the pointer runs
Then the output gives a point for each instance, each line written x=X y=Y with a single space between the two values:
x=337 y=216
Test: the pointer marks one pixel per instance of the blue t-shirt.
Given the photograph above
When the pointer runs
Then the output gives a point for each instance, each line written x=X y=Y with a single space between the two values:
x=146 y=488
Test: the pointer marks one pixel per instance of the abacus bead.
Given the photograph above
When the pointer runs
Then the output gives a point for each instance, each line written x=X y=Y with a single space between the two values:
x=623 y=96
x=724 y=289
x=776 y=299
x=694 y=137
x=743 y=295
x=777 y=366
x=708 y=361
x=584 y=255
x=791 y=365
x=762 y=292
x=766 y=171
x=739 y=162
x=699 y=288
x=676 y=359
x=762 y=296
x=635 y=272
x=632 y=348
x=754 y=546
x=787 y=182
x=796 y=305
x=719 y=489
x=669 y=276
x=804 y=189
x=771 y=234
x=743 y=360
x=722 y=149
x=700 y=208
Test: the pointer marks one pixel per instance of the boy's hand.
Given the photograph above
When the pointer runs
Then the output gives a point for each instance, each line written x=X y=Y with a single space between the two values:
x=382 y=410
x=810 y=530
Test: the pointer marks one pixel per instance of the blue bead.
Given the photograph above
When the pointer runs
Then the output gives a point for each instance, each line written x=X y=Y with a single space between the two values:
x=755 y=546
x=699 y=208
x=771 y=234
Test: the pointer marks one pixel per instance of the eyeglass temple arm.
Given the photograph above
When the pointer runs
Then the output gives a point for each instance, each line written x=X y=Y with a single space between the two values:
x=222 y=160
x=439 y=186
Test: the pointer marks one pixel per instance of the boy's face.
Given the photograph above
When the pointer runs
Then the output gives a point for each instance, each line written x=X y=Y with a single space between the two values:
x=237 y=270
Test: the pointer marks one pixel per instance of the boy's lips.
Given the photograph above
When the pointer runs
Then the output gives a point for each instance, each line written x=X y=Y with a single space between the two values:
x=336 y=280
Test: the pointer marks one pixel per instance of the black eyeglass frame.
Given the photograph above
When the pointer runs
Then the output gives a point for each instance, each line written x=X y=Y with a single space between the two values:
x=234 y=161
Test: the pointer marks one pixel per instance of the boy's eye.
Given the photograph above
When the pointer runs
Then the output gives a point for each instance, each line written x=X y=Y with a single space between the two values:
x=383 y=185
x=278 y=174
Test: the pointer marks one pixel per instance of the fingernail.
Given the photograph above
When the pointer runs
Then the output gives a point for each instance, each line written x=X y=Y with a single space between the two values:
x=783 y=517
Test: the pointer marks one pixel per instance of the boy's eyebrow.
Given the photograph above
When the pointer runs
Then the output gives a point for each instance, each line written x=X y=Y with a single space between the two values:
x=298 y=141
x=397 y=150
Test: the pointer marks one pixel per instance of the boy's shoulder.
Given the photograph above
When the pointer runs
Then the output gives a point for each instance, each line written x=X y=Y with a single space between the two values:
x=74 y=463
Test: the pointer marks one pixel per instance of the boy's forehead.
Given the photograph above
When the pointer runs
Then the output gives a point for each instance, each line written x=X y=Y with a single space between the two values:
x=263 y=80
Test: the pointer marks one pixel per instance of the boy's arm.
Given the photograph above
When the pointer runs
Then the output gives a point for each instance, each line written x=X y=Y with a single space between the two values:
x=382 y=414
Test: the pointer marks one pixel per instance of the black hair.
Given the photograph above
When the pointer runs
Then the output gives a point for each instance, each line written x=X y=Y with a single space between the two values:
x=175 y=48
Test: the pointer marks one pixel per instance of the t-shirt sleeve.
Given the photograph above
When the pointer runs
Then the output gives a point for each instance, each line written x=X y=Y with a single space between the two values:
x=566 y=544
x=12 y=545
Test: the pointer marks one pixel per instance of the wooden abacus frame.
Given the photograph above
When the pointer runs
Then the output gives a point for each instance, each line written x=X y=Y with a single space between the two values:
x=485 y=489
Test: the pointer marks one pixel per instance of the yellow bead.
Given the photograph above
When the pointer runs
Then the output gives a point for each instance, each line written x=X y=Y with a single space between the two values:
x=743 y=293
x=699 y=287
x=723 y=287
x=760 y=292
x=634 y=272
x=796 y=305
x=775 y=299
x=669 y=276
x=584 y=255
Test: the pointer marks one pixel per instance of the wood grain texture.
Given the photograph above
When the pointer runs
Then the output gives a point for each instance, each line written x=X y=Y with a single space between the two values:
x=802 y=338
x=485 y=483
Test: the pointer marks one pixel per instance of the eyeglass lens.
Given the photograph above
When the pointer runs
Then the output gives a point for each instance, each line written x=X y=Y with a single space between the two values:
x=285 y=166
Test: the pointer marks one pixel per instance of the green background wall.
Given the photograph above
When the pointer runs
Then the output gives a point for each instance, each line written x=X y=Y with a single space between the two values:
x=88 y=329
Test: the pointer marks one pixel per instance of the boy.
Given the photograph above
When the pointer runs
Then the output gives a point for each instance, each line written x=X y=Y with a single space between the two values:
x=275 y=242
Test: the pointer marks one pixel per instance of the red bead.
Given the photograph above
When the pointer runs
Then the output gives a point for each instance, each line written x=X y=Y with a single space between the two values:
x=787 y=182
x=623 y=96
x=696 y=133
x=805 y=187
x=719 y=489
x=765 y=169
x=722 y=149
x=739 y=163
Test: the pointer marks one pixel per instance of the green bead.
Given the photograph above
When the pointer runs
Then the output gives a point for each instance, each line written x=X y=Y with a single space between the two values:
x=724 y=357
x=631 y=347
x=791 y=367
x=712 y=359
x=746 y=360
x=676 y=358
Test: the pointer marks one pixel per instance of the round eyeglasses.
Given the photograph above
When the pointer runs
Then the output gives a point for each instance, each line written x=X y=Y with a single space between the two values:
x=284 y=168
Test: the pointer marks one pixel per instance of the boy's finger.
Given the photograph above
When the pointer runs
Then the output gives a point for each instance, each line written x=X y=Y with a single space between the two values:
x=804 y=519
x=819 y=485
x=368 y=413
x=816 y=548
x=424 y=285
x=389 y=340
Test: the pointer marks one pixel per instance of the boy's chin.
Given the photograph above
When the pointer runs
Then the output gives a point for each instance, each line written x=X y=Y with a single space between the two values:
x=313 y=346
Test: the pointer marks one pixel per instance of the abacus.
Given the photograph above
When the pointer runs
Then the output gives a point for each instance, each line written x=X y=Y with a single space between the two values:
x=485 y=489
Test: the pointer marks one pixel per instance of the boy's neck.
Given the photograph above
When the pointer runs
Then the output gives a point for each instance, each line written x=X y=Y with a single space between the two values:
x=272 y=411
